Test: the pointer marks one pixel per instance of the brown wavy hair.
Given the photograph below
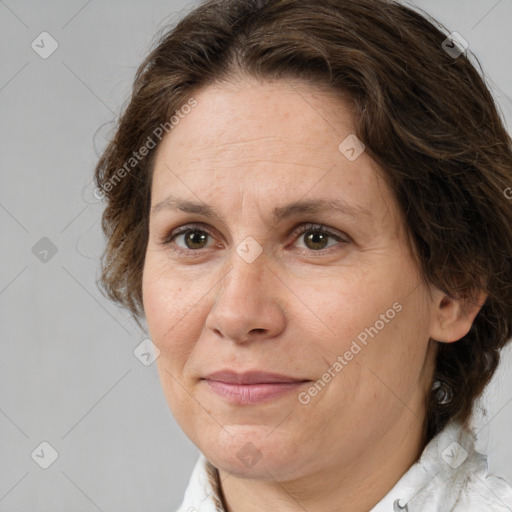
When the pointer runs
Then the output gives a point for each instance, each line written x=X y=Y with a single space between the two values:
x=426 y=117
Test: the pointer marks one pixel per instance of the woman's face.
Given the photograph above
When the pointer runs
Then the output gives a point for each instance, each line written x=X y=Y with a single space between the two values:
x=343 y=314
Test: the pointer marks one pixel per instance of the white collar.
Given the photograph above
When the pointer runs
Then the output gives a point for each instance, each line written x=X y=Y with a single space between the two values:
x=450 y=476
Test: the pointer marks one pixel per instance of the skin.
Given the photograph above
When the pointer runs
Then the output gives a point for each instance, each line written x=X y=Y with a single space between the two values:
x=246 y=148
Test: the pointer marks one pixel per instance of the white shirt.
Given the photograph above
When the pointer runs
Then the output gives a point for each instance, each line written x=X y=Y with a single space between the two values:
x=450 y=476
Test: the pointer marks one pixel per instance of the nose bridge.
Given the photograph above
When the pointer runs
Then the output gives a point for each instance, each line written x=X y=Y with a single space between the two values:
x=245 y=282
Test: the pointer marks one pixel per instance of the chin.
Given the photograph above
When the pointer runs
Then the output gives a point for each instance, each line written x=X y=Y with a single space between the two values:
x=252 y=456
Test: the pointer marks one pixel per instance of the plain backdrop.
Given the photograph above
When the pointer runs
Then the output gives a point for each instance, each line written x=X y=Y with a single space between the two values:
x=68 y=373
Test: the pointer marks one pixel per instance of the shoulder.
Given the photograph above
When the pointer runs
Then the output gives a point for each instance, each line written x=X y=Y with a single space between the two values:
x=450 y=476
x=481 y=491
x=471 y=486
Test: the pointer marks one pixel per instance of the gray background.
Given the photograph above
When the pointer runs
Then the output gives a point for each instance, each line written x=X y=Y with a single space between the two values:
x=68 y=375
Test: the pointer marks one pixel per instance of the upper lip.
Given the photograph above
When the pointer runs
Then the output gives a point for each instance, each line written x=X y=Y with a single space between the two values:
x=250 y=377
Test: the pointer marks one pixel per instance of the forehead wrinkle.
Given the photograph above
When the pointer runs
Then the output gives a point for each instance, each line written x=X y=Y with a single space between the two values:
x=212 y=154
x=239 y=142
x=205 y=145
x=216 y=167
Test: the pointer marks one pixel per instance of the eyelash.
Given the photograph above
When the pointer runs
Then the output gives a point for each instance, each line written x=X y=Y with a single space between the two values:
x=166 y=241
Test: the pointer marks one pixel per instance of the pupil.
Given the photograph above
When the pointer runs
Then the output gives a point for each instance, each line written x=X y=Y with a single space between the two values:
x=320 y=236
x=193 y=238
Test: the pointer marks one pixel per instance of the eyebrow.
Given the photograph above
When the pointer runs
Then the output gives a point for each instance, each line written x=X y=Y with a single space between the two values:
x=279 y=213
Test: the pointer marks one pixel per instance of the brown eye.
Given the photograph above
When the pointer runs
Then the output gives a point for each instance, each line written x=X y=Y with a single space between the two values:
x=195 y=239
x=316 y=241
x=316 y=237
x=191 y=239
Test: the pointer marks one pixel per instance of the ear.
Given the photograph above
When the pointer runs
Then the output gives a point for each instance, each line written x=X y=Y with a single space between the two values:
x=452 y=317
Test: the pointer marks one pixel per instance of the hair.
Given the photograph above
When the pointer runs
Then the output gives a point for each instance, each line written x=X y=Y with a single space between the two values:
x=426 y=118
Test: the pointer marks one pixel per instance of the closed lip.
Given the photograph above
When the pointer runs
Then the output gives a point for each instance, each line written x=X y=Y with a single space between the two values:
x=251 y=377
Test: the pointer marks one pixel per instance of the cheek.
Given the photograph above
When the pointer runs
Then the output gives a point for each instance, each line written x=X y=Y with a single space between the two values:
x=159 y=305
x=164 y=303
x=174 y=309
x=350 y=305
x=169 y=318
x=377 y=322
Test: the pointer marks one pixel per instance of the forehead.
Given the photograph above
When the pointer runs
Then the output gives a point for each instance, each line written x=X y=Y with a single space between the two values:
x=270 y=142
x=254 y=117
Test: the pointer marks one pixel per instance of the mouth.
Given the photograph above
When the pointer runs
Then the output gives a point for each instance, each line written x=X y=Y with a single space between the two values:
x=252 y=386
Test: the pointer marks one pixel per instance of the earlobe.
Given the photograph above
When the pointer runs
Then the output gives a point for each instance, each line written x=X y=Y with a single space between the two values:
x=451 y=317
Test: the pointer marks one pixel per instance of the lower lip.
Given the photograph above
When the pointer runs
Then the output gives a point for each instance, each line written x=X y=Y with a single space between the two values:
x=252 y=393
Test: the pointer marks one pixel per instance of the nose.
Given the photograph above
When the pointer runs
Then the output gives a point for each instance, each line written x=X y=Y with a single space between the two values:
x=248 y=303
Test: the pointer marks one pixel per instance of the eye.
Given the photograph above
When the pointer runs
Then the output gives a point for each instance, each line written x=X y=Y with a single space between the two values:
x=193 y=237
x=316 y=237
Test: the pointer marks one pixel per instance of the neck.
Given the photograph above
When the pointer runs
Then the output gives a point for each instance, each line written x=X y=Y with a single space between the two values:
x=352 y=486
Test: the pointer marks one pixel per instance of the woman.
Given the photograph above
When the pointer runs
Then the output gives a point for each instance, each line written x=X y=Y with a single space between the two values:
x=306 y=204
